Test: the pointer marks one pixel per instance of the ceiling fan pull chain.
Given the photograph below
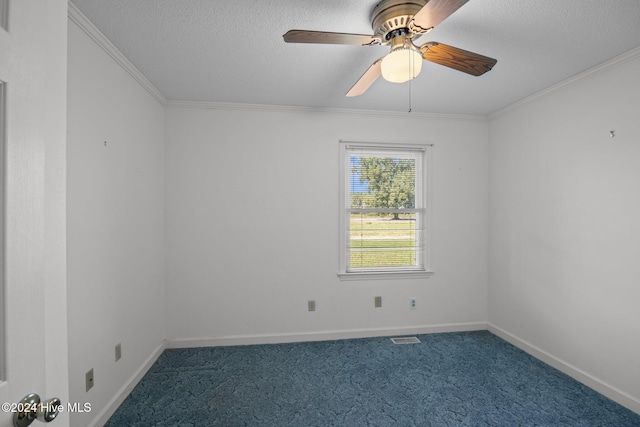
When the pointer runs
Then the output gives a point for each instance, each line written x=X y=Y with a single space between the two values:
x=411 y=78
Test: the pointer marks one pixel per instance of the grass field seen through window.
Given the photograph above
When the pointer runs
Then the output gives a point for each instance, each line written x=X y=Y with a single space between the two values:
x=381 y=241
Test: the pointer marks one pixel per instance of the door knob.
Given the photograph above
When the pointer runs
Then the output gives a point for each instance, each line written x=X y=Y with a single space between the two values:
x=32 y=408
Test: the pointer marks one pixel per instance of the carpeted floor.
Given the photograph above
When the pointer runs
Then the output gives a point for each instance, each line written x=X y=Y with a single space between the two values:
x=457 y=379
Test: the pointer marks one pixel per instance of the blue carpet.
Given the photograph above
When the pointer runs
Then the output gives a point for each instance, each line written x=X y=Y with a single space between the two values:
x=457 y=379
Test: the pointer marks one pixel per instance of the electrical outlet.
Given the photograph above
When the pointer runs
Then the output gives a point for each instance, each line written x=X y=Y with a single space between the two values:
x=311 y=305
x=88 y=377
x=412 y=303
x=378 y=302
x=118 y=351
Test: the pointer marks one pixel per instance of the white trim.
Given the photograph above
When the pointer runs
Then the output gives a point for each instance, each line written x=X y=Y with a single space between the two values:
x=618 y=60
x=4 y=15
x=202 y=105
x=323 y=335
x=110 y=408
x=578 y=374
x=386 y=145
x=3 y=192
x=78 y=18
x=386 y=275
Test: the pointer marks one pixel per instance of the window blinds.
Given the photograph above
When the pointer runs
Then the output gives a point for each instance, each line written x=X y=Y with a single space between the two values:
x=384 y=208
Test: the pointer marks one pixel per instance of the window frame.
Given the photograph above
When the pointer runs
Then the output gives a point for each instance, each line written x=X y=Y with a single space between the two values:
x=424 y=211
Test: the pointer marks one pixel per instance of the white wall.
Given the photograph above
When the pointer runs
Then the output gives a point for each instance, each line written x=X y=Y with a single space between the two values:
x=115 y=209
x=565 y=228
x=252 y=227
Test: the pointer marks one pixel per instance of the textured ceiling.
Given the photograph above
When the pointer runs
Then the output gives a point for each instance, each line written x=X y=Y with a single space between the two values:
x=231 y=51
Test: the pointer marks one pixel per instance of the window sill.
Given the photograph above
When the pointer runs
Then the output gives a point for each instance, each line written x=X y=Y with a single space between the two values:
x=385 y=275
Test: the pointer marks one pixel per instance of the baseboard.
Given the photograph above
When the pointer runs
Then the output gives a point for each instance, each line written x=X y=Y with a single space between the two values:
x=585 y=378
x=322 y=336
x=113 y=404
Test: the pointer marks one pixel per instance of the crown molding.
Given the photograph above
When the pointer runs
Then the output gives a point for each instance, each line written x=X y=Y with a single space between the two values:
x=78 y=18
x=614 y=62
x=203 y=105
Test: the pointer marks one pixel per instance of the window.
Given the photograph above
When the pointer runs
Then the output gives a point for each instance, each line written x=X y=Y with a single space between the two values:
x=383 y=210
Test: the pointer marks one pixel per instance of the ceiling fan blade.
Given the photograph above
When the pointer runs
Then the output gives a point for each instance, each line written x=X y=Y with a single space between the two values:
x=323 y=37
x=367 y=79
x=458 y=59
x=434 y=12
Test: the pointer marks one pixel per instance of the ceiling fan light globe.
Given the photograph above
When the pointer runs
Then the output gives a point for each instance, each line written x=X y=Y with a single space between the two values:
x=401 y=65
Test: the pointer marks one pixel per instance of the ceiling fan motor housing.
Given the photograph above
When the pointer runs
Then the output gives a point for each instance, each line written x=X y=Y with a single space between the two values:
x=391 y=18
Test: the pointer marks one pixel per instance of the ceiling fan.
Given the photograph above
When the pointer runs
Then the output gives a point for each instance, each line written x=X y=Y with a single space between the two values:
x=397 y=23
